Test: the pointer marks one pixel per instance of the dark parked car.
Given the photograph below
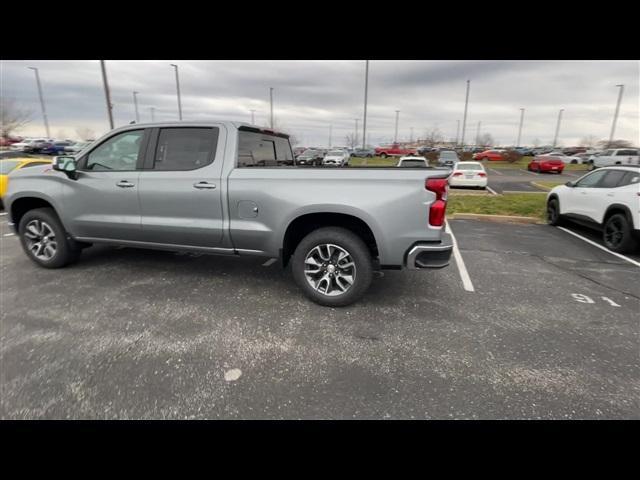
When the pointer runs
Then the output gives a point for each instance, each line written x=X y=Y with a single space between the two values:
x=54 y=148
x=448 y=158
x=310 y=157
x=363 y=152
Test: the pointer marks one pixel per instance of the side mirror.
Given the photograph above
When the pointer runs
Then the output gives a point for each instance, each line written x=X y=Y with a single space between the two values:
x=570 y=184
x=66 y=165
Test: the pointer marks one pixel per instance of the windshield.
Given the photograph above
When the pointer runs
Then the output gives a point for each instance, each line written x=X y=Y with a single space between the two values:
x=448 y=155
x=412 y=163
x=7 y=165
x=336 y=153
x=309 y=152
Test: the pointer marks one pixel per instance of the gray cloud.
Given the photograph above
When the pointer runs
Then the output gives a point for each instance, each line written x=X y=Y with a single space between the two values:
x=311 y=95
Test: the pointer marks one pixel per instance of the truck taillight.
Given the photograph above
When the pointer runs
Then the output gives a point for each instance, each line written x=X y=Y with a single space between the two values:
x=438 y=209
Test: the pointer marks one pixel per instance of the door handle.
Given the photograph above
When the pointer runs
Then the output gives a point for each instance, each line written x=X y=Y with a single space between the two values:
x=204 y=186
x=125 y=184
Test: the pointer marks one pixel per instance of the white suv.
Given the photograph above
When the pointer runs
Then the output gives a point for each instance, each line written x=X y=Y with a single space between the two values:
x=607 y=199
x=618 y=156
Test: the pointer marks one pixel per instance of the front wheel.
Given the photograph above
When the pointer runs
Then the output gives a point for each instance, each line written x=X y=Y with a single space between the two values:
x=553 y=213
x=44 y=239
x=617 y=234
x=332 y=266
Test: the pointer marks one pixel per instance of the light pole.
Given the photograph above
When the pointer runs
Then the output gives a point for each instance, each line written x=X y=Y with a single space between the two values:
x=478 y=134
x=615 y=115
x=135 y=103
x=253 y=118
x=153 y=114
x=175 y=67
x=366 y=91
x=395 y=136
x=464 y=120
x=520 y=128
x=44 y=111
x=271 y=104
x=106 y=93
x=355 y=139
x=555 y=138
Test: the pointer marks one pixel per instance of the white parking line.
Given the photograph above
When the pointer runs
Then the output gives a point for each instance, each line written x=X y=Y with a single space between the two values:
x=496 y=172
x=637 y=264
x=464 y=274
x=530 y=173
x=271 y=261
x=491 y=190
x=8 y=234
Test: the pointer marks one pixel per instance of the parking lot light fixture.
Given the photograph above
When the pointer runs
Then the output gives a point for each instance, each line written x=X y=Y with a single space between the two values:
x=615 y=115
x=107 y=94
x=366 y=91
x=520 y=127
x=135 y=103
x=44 y=111
x=555 y=138
x=175 y=67
x=464 y=119
x=395 y=136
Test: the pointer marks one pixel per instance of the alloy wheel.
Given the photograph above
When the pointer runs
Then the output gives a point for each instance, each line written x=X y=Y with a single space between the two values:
x=41 y=240
x=613 y=233
x=330 y=269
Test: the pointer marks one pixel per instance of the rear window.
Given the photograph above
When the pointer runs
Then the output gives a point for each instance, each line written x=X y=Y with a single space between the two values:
x=629 y=178
x=469 y=166
x=612 y=179
x=413 y=163
x=257 y=149
x=624 y=153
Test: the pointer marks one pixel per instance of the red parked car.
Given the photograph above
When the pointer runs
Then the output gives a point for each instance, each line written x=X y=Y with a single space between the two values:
x=546 y=164
x=492 y=155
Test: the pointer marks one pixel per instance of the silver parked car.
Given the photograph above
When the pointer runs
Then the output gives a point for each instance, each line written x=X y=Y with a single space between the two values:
x=230 y=188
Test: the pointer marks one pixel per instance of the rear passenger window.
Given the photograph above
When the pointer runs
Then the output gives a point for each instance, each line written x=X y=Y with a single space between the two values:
x=257 y=149
x=612 y=179
x=185 y=148
x=629 y=178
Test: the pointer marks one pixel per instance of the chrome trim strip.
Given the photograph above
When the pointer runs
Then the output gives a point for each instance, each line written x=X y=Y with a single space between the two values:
x=162 y=246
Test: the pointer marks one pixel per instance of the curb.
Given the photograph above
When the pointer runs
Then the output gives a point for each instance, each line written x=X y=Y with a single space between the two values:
x=495 y=218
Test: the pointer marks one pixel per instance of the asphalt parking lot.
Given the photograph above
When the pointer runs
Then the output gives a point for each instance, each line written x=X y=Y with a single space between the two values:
x=519 y=179
x=545 y=326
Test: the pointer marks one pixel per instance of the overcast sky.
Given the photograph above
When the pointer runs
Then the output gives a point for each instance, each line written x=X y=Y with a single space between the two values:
x=311 y=95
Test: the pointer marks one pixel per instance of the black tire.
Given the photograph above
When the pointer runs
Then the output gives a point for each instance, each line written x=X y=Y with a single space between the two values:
x=574 y=162
x=65 y=252
x=383 y=155
x=553 y=213
x=343 y=239
x=617 y=234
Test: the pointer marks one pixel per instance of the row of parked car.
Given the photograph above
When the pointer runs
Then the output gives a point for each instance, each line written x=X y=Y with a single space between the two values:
x=47 y=146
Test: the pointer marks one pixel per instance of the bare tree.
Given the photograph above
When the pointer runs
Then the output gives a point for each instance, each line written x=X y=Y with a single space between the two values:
x=351 y=139
x=589 y=141
x=486 y=140
x=614 y=144
x=12 y=116
x=85 y=133
x=433 y=136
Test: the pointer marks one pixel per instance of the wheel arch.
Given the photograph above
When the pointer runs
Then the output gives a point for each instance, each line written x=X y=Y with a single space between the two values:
x=20 y=206
x=618 y=208
x=305 y=223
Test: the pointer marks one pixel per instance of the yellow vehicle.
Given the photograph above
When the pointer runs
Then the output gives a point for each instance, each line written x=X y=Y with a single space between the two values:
x=10 y=164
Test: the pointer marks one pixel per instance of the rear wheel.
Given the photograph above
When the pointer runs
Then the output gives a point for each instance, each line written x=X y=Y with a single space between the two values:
x=617 y=234
x=332 y=266
x=553 y=212
x=44 y=239
x=384 y=155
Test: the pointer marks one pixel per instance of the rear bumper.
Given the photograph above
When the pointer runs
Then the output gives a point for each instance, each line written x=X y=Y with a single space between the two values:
x=430 y=254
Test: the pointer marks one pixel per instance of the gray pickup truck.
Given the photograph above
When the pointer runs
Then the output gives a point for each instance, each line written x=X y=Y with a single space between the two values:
x=233 y=189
